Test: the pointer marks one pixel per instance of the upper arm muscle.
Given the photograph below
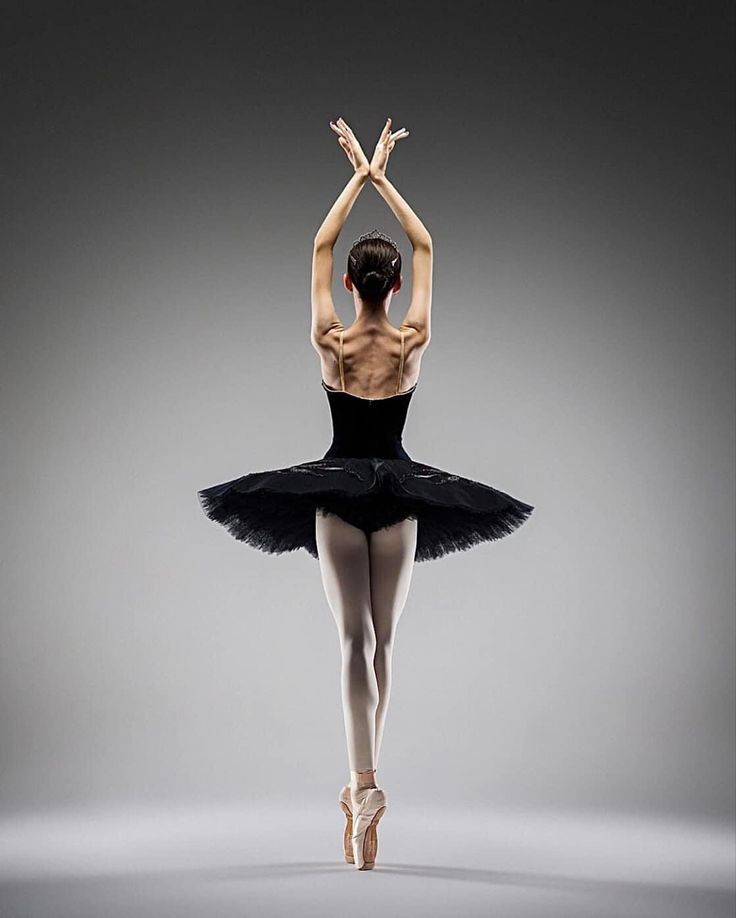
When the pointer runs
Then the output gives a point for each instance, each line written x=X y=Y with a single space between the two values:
x=324 y=316
x=418 y=315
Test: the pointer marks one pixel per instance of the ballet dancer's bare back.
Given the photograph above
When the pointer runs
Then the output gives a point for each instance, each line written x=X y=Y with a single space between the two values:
x=366 y=576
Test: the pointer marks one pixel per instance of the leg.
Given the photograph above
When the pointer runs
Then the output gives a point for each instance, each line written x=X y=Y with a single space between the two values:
x=343 y=559
x=391 y=565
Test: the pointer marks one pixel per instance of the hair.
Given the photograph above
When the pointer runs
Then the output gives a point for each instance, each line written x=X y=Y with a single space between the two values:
x=374 y=265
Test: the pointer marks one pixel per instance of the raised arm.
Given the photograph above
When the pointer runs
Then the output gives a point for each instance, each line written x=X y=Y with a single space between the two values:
x=420 y=306
x=324 y=316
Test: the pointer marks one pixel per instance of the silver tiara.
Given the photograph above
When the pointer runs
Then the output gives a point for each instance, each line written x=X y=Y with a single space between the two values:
x=376 y=234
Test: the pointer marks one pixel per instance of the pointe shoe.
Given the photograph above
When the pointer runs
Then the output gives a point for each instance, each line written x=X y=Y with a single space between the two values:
x=368 y=806
x=346 y=805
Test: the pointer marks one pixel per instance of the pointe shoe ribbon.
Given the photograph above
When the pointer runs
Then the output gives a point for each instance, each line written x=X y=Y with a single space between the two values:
x=369 y=805
x=346 y=804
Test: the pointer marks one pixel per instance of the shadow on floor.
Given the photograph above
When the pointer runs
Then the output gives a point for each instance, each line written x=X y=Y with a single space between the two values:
x=610 y=889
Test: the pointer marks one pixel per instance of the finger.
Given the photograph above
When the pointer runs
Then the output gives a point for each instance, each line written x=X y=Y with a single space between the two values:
x=402 y=132
x=343 y=123
x=349 y=132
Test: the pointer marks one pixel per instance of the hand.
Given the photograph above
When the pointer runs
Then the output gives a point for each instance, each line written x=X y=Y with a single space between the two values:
x=384 y=146
x=349 y=142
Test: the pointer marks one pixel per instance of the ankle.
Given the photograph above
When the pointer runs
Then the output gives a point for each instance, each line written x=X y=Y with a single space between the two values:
x=363 y=778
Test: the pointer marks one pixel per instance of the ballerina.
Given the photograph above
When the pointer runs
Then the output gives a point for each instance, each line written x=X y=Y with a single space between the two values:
x=366 y=509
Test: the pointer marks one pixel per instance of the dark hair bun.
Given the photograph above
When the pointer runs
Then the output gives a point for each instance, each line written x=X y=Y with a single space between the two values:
x=374 y=282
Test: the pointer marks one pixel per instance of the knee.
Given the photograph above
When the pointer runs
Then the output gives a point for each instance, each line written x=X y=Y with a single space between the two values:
x=384 y=646
x=358 y=644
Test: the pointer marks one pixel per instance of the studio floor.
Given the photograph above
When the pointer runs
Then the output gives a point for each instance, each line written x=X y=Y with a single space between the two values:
x=238 y=860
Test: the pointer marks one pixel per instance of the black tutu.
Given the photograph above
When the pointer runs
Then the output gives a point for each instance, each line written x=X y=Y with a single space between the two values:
x=368 y=479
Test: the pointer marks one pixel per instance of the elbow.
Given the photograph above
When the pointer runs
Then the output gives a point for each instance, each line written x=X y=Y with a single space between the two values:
x=423 y=244
x=322 y=244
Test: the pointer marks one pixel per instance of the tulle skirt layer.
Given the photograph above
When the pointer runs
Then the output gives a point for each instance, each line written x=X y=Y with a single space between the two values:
x=274 y=510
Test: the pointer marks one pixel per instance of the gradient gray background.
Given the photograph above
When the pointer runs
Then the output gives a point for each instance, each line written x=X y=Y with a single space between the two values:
x=166 y=170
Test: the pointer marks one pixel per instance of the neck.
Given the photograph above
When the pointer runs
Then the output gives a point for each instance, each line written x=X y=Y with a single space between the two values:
x=371 y=315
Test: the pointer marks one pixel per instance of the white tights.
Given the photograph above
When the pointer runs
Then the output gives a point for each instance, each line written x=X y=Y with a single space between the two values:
x=366 y=578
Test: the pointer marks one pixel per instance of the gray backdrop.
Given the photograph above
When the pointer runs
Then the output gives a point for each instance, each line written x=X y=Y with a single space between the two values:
x=166 y=170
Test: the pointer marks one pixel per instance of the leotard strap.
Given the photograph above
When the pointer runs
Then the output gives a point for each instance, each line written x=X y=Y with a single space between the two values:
x=401 y=362
x=340 y=361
